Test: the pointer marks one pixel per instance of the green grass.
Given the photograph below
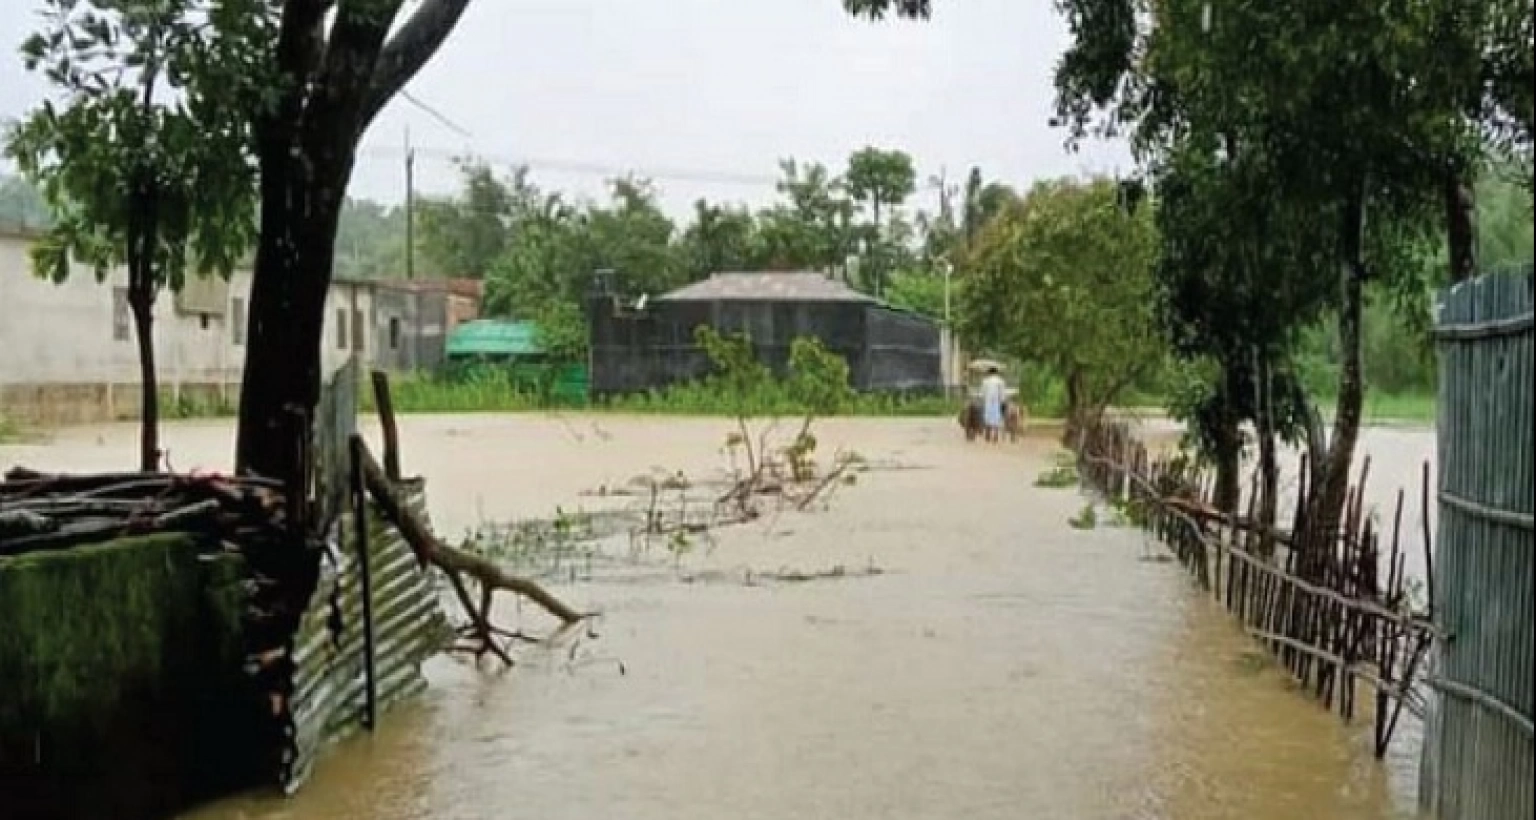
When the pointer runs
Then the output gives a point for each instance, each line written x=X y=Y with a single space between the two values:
x=1382 y=408
x=1388 y=408
x=195 y=406
x=9 y=431
x=488 y=393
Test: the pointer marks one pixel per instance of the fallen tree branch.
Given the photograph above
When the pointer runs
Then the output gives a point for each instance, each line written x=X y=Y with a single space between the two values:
x=456 y=563
x=831 y=478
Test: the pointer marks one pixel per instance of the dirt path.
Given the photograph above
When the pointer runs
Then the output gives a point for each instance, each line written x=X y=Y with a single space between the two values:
x=1002 y=665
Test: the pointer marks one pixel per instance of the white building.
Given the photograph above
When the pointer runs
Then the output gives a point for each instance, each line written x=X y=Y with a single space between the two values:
x=68 y=352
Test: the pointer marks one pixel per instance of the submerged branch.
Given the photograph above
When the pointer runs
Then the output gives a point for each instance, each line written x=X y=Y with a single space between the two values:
x=456 y=563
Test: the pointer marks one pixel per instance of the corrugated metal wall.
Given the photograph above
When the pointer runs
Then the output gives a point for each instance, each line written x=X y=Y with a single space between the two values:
x=904 y=352
x=1478 y=748
x=330 y=685
x=886 y=350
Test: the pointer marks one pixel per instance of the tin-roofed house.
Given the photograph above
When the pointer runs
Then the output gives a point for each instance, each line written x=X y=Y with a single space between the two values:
x=645 y=343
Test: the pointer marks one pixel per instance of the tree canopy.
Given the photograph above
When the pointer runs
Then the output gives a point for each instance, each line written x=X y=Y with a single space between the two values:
x=143 y=164
x=1064 y=277
x=146 y=134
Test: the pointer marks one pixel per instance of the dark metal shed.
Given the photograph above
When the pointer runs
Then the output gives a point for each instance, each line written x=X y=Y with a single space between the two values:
x=651 y=344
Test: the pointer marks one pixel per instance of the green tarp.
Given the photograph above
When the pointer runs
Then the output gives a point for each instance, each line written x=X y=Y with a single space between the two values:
x=494 y=337
x=502 y=349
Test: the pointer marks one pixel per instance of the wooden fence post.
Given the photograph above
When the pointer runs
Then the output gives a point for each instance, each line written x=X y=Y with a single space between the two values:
x=359 y=493
x=384 y=403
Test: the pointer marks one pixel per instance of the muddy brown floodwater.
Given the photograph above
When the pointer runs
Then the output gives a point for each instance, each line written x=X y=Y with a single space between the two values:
x=1001 y=664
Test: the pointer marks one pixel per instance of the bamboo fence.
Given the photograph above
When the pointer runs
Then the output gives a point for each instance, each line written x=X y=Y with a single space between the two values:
x=1349 y=628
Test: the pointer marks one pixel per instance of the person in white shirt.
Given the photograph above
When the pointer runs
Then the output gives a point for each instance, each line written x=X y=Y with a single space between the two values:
x=993 y=393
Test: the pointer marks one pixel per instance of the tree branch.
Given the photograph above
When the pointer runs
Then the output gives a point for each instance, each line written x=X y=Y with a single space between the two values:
x=430 y=550
x=411 y=47
x=335 y=117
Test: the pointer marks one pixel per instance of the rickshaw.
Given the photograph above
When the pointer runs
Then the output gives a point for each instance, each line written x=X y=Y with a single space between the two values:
x=970 y=412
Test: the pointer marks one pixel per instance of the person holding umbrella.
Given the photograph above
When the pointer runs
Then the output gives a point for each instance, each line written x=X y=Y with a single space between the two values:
x=994 y=392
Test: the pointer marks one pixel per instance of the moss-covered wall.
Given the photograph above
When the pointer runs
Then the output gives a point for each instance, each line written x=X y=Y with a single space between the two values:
x=121 y=690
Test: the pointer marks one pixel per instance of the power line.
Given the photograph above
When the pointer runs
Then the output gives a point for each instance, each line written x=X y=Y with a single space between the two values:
x=587 y=168
x=577 y=167
x=437 y=115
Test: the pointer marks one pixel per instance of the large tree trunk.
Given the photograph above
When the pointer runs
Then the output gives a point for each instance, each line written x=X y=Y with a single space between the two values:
x=1326 y=507
x=1461 y=225
x=1269 y=468
x=1227 y=440
x=1228 y=460
x=141 y=304
x=294 y=259
x=1076 y=413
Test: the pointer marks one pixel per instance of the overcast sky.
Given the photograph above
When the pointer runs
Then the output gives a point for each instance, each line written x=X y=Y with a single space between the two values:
x=704 y=96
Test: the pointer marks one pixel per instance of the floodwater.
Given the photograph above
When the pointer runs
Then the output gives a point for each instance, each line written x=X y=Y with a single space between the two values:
x=999 y=665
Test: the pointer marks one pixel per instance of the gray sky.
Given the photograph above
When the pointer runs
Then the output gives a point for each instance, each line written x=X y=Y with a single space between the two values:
x=706 y=96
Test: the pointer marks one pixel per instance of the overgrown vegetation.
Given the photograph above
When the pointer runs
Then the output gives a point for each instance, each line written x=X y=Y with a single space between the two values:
x=1064 y=278
x=1271 y=223
x=1061 y=474
x=9 y=430
x=771 y=468
x=1087 y=518
x=787 y=471
x=142 y=164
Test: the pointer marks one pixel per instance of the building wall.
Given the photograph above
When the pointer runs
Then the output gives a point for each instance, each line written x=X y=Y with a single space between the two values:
x=68 y=353
x=904 y=352
x=349 y=325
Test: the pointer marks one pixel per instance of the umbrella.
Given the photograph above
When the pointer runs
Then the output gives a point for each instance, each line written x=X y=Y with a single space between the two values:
x=983 y=365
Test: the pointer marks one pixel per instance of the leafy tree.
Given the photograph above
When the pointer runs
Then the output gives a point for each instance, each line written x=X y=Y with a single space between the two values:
x=143 y=165
x=634 y=237
x=818 y=383
x=1353 y=149
x=370 y=240
x=742 y=378
x=878 y=9
x=552 y=248
x=1504 y=235
x=721 y=238
x=1221 y=237
x=920 y=290
x=542 y=271
x=983 y=201
x=818 y=379
x=463 y=236
x=1065 y=278
x=879 y=180
x=813 y=229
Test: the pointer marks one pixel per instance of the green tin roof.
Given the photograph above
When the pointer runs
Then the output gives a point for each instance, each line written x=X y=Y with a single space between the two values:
x=495 y=337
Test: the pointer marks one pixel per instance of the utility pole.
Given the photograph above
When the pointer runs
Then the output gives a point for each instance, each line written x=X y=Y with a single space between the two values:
x=946 y=207
x=947 y=268
x=410 y=207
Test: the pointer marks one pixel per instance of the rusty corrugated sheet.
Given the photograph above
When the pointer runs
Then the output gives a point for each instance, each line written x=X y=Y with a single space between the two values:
x=409 y=626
